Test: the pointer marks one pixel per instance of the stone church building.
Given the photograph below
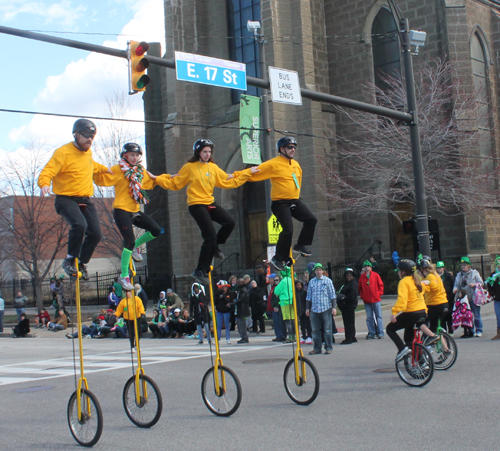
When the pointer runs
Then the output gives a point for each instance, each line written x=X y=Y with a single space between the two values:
x=334 y=48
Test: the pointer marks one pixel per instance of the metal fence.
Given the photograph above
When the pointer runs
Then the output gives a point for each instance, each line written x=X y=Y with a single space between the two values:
x=94 y=291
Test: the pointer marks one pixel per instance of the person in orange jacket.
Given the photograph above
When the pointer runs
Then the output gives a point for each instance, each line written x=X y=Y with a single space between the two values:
x=371 y=289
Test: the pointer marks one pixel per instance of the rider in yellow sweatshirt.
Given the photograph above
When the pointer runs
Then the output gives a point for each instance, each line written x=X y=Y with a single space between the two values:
x=70 y=170
x=201 y=175
x=286 y=180
x=131 y=181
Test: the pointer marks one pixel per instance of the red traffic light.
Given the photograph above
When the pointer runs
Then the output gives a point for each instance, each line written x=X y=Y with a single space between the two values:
x=141 y=49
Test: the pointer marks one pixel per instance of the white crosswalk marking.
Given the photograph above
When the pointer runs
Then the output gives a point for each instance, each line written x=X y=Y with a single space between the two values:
x=63 y=367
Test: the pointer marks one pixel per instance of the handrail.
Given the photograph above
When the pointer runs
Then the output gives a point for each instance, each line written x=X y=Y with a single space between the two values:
x=369 y=251
x=226 y=259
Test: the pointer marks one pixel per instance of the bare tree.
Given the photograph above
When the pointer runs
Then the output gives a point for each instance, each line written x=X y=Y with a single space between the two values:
x=31 y=230
x=375 y=164
x=107 y=146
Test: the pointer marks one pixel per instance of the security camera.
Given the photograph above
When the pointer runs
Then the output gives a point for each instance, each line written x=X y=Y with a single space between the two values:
x=417 y=38
x=253 y=25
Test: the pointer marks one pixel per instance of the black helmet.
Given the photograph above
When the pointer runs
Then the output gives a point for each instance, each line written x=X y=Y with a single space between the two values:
x=407 y=266
x=200 y=144
x=285 y=141
x=424 y=262
x=130 y=147
x=84 y=126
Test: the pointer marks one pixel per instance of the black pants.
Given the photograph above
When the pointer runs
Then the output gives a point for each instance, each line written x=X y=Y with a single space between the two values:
x=305 y=326
x=406 y=321
x=435 y=312
x=258 y=320
x=204 y=215
x=349 y=317
x=84 y=223
x=124 y=221
x=285 y=210
x=131 y=331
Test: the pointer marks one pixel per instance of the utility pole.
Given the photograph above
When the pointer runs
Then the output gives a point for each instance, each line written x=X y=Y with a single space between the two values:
x=418 y=170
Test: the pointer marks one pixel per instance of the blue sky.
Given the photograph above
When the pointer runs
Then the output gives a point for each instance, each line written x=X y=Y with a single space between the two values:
x=55 y=79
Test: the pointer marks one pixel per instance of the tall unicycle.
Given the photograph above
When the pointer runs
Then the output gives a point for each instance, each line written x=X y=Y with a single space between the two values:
x=84 y=411
x=220 y=387
x=300 y=377
x=142 y=399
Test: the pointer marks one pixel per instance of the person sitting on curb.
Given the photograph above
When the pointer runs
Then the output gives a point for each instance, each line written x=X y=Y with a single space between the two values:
x=23 y=328
x=61 y=322
x=42 y=319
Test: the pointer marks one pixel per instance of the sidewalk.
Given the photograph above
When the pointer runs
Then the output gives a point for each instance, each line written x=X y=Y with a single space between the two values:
x=88 y=310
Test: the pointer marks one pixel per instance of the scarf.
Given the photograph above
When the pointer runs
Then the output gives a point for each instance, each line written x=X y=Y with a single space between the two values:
x=135 y=175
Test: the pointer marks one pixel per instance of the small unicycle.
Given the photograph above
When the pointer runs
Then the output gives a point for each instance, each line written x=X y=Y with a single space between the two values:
x=142 y=398
x=301 y=378
x=417 y=367
x=444 y=351
x=220 y=387
x=84 y=411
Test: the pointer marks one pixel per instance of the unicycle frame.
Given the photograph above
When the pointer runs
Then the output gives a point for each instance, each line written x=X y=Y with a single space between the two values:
x=218 y=360
x=82 y=381
x=298 y=351
x=140 y=369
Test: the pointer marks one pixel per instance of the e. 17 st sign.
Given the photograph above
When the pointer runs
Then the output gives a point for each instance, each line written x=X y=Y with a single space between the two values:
x=210 y=71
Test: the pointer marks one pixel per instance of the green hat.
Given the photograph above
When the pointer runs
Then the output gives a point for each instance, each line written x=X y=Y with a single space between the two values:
x=317 y=265
x=367 y=263
x=465 y=260
x=440 y=265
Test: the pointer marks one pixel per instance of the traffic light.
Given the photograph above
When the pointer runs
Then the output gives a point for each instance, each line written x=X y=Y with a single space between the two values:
x=138 y=64
x=410 y=227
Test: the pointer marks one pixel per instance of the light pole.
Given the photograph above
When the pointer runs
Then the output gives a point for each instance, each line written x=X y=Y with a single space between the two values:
x=264 y=104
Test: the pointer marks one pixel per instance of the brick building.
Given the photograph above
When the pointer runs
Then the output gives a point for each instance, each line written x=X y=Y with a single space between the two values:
x=330 y=44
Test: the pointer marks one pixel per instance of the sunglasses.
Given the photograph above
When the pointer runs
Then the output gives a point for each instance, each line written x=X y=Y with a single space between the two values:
x=290 y=147
x=87 y=135
x=276 y=280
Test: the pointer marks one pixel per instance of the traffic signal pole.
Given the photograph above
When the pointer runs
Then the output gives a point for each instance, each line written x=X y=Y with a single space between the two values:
x=416 y=153
x=410 y=118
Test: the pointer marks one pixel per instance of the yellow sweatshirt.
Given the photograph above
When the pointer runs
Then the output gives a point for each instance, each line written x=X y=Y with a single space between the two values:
x=126 y=308
x=281 y=171
x=409 y=298
x=201 y=178
x=70 y=170
x=123 y=198
x=436 y=294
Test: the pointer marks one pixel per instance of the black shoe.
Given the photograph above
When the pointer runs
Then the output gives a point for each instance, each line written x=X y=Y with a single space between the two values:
x=277 y=264
x=83 y=270
x=69 y=267
x=242 y=341
x=219 y=254
x=302 y=250
x=354 y=340
x=345 y=342
x=201 y=276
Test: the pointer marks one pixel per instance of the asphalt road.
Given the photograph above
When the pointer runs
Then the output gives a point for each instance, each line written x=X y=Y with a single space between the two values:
x=362 y=403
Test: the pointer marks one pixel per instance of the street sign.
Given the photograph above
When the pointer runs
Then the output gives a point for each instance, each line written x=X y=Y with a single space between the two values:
x=285 y=87
x=273 y=229
x=210 y=71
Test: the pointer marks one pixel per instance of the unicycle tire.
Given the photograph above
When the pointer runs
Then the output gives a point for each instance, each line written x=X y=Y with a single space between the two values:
x=306 y=391
x=228 y=400
x=86 y=431
x=444 y=360
x=147 y=412
x=416 y=368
